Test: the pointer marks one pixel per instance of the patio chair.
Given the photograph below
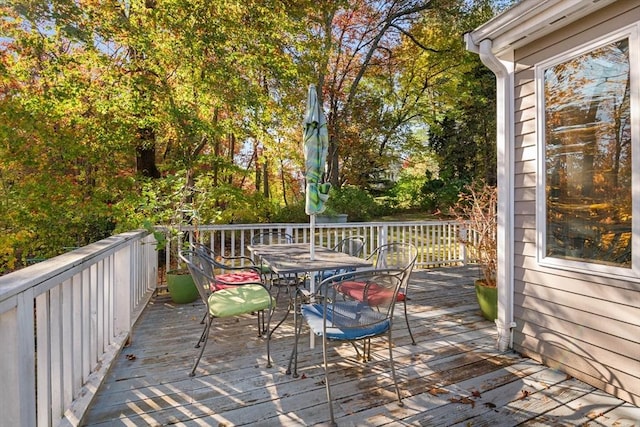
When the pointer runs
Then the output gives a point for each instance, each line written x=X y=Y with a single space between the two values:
x=353 y=320
x=225 y=272
x=229 y=273
x=353 y=246
x=400 y=256
x=244 y=298
x=275 y=237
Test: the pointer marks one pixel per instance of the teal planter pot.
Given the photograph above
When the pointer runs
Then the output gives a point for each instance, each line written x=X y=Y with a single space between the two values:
x=181 y=288
x=488 y=300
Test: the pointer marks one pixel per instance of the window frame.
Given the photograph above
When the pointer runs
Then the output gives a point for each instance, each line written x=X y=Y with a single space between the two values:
x=633 y=273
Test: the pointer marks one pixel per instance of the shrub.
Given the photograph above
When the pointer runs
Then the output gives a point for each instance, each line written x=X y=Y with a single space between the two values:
x=477 y=209
x=408 y=193
x=293 y=213
x=355 y=202
x=441 y=195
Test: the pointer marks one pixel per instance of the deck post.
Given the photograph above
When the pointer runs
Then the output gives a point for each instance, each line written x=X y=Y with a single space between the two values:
x=463 y=248
x=17 y=394
x=124 y=271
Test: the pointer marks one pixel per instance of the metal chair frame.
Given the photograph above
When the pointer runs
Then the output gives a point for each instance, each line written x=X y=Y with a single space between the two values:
x=400 y=256
x=212 y=264
x=352 y=321
x=272 y=238
x=199 y=267
x=352 y=245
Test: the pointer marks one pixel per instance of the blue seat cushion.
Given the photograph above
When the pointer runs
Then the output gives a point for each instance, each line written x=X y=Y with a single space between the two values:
x=348 y=320
x=323 y=275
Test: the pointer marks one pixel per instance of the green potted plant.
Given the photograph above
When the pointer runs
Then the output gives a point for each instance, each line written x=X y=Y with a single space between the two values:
x=476 y=210
x=171 y=214
x=180 y=284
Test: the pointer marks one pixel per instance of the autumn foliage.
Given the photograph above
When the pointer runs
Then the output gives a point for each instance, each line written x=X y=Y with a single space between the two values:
x=102 y=101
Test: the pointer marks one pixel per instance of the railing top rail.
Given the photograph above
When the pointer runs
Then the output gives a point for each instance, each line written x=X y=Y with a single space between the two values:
x=55 y=268
x=318 y=225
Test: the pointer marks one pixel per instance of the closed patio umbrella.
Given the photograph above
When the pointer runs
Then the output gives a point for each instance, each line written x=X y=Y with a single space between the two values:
x=316 y=143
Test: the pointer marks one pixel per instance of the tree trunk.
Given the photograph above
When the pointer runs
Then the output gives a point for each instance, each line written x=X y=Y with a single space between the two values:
x=232 y=149
x=283 y=183
x=265 y=175
x=146 y=153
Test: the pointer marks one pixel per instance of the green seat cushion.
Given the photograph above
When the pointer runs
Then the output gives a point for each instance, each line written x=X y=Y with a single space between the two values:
x=239 y=300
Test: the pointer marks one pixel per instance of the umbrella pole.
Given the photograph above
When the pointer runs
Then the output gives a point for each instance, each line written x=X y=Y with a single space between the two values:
x=312 y=255
x=312 y=237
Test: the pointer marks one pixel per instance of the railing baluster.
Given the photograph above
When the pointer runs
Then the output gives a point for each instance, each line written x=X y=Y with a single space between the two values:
x=66 y=343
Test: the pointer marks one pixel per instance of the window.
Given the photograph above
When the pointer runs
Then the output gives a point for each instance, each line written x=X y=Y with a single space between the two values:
x=586 y=156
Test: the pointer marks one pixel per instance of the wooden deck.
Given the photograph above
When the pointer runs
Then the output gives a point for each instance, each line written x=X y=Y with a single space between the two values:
x=452 y=377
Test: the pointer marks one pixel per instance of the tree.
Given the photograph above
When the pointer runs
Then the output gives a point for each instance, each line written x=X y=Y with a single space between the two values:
x=458 y=92
x=354 y=42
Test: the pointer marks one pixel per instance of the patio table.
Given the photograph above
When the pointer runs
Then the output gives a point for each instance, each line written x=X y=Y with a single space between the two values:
x=295 y=259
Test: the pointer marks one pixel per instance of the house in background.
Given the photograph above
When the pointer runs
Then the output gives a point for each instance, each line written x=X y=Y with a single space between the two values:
x=568 y=82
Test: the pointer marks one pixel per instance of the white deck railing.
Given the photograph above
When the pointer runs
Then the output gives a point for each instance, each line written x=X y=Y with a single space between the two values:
x=64 y=320
x=437 y=241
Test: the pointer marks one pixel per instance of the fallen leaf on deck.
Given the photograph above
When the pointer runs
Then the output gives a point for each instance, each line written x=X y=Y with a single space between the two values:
x=593 y=415
x=131 y=357
x=436 y=391
x=464 y=400
x=476 y=393
x=524 y=394
x=490 y=405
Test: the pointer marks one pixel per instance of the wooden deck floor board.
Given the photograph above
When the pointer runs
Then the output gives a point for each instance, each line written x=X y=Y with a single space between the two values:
x=453 y=374
x=438 y=406
x=367 y=378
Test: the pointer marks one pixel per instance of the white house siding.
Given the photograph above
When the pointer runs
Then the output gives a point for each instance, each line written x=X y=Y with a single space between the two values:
x=585 y=325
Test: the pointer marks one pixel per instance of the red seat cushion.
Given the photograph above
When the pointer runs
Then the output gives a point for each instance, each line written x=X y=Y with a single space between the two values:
x=376 y=294
x=213 y=286
x=222 y=281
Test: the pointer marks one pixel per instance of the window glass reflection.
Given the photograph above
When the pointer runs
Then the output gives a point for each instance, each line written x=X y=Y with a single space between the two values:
x=588 y=157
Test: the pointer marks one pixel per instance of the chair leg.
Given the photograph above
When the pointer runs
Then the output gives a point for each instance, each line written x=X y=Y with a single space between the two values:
x=260 y=316
x=406 y=319
x=326 y=380
x=393 y=370
x=282 y=320
x=204 y=333
x=297 y=324
x=367 y=344
x=365 y=356
x=268 y=334
x=359 y=356
x=204 y=345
